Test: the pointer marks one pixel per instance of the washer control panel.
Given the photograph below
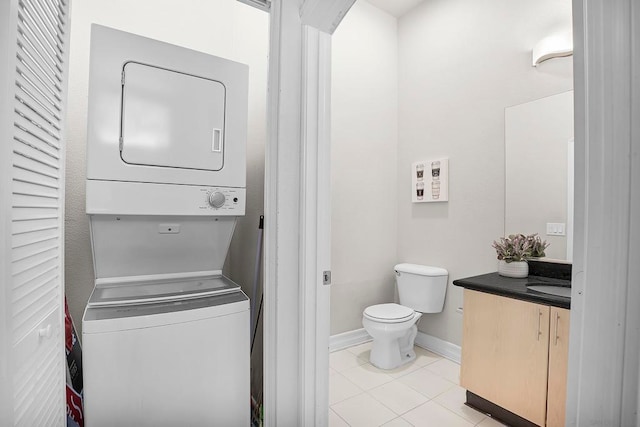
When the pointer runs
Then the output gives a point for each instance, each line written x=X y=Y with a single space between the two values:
x=134 y=198
x=223 y=200
x=217 y=199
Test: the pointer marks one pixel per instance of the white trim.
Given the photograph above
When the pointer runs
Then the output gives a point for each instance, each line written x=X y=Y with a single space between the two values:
x=282 y=400
x=570 y=199
x=325 y=15
x=308 y=217
x=315 y=243
x=436 y=345
x=605 y=298
x=8 y=18
x=264 y=5
x=348 y=339
x=63 y=215
x=297 y=222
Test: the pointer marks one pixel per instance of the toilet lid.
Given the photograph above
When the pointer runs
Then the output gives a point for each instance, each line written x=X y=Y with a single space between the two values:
x=389 y=312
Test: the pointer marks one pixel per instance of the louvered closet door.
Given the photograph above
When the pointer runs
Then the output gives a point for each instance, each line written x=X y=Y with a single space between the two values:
x=37 y=54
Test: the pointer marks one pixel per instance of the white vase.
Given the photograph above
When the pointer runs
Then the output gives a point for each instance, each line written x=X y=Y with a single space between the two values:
x=516 y=269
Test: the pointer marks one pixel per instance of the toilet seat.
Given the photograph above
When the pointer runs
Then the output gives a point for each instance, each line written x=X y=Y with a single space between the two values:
x=389 y=313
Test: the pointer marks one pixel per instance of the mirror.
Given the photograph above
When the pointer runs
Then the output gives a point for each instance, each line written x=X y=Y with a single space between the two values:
x=539 y=171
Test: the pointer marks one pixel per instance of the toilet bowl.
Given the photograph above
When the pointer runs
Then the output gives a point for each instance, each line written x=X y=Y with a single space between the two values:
x=393 y=327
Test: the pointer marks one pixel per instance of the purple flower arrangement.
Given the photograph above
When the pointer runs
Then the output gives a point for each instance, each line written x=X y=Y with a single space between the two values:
x=518 y=247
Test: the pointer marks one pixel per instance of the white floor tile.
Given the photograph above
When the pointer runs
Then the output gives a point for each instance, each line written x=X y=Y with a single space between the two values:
x=344 y=359
x=425 y=357
x=363 y=411
x=398 y=372
x=490 y=422
x=341 y=388
x=361 y=350
x=362 y=395
x=335 y=420
x=398 y=422
x=431 y=414
x=403 y=370
x=454 y=399
x=446 y=369
x=398 y=397
x=426 y=382
x=366 y=376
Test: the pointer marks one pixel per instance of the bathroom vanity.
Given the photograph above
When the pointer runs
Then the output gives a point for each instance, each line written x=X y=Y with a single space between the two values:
x=515 y=346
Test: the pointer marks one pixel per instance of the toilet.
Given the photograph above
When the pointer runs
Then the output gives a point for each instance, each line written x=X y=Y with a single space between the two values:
x=393 y=327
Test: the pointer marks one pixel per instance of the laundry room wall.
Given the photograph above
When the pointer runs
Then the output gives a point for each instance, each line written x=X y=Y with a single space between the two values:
x=364 y=114
x=461 y=62
x=224 y=28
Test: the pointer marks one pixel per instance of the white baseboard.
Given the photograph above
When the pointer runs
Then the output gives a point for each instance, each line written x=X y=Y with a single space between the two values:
x=428 y=342
x=436 y=345
x=348 y=339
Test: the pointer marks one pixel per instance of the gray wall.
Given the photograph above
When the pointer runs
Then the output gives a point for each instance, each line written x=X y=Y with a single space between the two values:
x=461 y=62
x=224 y=28
x=363 y=164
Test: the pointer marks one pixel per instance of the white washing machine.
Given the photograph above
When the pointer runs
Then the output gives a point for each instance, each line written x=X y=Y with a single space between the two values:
x=165 y=333
x=174 y=363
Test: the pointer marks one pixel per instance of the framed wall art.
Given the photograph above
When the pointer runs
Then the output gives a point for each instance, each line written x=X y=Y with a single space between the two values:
x=430 y=180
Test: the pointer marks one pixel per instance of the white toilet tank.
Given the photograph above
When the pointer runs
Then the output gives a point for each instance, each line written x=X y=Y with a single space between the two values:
x=421 y=288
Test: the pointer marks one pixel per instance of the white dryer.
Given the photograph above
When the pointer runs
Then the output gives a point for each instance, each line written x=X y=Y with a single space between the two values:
x=165 y=333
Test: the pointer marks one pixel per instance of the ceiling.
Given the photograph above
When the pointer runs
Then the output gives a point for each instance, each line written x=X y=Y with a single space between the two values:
x=396 y=8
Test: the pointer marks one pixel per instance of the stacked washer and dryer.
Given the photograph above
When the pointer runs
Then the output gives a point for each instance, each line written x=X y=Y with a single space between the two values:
x=165 y=333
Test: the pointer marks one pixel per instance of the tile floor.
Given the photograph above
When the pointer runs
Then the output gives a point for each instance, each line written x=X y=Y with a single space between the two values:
x=424 y=392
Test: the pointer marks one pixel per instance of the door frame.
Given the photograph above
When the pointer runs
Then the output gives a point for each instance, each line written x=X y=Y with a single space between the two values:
x=605 y=320
x=297 y=219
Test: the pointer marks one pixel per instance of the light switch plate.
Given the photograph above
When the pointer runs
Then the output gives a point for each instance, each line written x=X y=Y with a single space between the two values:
x=556 y=229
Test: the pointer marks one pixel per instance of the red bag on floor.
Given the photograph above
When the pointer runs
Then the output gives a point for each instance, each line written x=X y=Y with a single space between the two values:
x=75 y=415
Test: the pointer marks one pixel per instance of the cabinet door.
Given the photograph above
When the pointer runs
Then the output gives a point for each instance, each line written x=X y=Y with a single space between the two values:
x=558 y=360
x=505 y=346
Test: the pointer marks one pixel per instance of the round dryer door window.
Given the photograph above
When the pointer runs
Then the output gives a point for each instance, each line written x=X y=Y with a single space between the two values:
x=171 y=119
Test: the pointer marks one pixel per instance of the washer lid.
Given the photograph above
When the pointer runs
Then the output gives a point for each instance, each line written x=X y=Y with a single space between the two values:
x=390 y=311
x=115 y=318
x=158 y=290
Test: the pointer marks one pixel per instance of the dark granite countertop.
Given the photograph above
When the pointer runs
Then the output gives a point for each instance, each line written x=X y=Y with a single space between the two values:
x=493 y=283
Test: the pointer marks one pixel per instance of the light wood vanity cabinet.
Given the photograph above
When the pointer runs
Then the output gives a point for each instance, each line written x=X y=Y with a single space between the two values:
x=514 y=354
x=558 y=363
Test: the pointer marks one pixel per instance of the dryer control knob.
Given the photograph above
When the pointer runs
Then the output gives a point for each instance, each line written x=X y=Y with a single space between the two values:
x=217 y=199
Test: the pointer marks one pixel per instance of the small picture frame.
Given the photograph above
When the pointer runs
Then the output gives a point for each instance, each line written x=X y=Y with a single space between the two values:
x=430 y=180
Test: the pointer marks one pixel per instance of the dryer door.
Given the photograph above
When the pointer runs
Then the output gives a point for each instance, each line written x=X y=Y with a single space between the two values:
x=171 y=119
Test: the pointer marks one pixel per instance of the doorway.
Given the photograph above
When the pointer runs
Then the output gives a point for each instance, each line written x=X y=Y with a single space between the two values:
x=413 y=87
